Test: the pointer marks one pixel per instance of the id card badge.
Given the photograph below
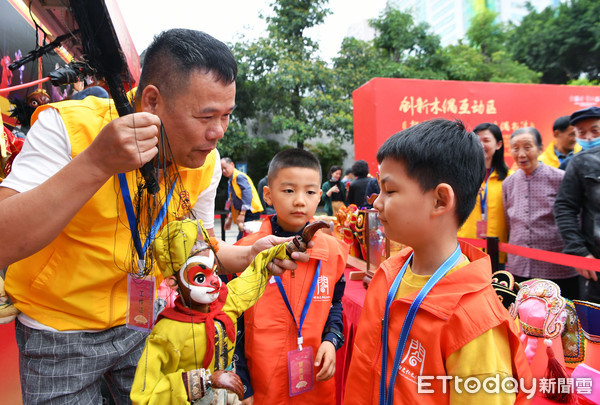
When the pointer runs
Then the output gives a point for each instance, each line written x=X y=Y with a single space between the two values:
x=300 y=366
x=140 y=302
x=481 y=229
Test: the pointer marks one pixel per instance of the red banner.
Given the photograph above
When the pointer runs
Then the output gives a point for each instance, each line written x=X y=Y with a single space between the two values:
x=383 y=107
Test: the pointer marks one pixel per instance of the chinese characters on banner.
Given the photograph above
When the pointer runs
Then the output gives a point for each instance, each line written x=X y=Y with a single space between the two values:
x=383 y=107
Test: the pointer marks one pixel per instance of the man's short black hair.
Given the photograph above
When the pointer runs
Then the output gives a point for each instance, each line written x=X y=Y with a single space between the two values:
x=360 y=168
x=440 y=151
x=292 y=158
x=562 y=123
x=174 y=54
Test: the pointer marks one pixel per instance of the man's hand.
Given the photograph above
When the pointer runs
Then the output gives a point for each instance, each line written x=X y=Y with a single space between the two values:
x=228 y=223
x=589 y=274
x=277 y=266
x=326 y=356
x=240 y=221
x=125 y=144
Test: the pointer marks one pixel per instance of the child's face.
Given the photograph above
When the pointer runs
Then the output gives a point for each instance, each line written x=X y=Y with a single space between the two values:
x=294 y=193
x=404 y=209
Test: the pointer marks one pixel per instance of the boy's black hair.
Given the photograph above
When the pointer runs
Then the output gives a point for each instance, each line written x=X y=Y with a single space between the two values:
x=537 y=137
x=498 y=162
x=292 y=158
x=174 y=54
x=562 y=123
x=440 y=151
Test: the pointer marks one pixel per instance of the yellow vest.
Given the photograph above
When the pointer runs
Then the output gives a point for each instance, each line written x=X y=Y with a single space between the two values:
x=548 y=157
x=79 y=281
x=496 y=224
x=256 y=205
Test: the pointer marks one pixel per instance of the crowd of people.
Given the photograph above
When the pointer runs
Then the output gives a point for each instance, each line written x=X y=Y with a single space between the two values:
x=94 y=242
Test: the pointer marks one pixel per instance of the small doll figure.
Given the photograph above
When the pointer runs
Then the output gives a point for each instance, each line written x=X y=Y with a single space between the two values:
x=542 y=317
x=189 y=349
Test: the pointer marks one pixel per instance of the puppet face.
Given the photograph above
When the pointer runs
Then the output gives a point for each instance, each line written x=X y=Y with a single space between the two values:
x=198 y=282
x=38 y=98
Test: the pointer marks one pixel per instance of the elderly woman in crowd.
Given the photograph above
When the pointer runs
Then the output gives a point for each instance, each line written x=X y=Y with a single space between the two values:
x=487 y=218
x=528 y=196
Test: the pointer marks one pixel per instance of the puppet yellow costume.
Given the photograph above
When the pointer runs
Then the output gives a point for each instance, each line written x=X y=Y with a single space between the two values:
x=180 y=350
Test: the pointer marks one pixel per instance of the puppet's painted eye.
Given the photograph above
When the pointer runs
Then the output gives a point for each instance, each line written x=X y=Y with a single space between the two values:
x=199 y=278
x=34 y=103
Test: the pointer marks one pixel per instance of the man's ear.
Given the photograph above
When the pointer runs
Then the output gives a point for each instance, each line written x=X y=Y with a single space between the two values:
x=267 y=195
x=171 y=281
x=445 y=200
x=150 y=99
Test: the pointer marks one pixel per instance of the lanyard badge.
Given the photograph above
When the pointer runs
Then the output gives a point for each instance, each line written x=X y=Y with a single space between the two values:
x=141 y=288
x=386 y=393
x=300 y=361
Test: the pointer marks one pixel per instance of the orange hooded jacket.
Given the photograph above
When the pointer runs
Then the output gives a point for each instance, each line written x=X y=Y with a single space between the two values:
x=459 y=308
x=270 y=330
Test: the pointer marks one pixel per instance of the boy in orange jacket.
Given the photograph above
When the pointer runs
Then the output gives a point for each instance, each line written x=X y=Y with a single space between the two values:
x=432 y=328
x=302 y=309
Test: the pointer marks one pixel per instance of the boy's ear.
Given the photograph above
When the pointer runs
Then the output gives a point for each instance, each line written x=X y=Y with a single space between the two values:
x=445 y=199
x=267 y=195
x=171 y=281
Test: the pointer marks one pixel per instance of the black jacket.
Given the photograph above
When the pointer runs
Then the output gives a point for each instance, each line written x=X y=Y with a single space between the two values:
x=579 y=194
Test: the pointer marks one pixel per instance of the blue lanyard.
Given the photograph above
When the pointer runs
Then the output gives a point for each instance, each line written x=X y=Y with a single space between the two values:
x=135 y=234
x=483 y=200
x=307 y=302
x=408 y=321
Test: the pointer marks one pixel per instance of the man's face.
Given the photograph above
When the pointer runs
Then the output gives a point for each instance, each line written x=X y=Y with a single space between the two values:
x=565 y=140
x=227 y=168
x=588 y=129
x=197 y=118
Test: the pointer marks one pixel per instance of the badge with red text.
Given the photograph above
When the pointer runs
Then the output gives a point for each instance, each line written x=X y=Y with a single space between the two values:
x=300 y=366
x=481 y=229
x=140 y=302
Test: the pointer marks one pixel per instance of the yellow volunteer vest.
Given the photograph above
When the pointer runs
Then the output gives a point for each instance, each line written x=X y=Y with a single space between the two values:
x=256 y=204
x=548 y=157
x=79 y=281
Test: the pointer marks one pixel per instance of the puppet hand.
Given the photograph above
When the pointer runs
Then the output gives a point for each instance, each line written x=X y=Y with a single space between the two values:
x=326 y=356
x=228 y=380
x=279 y=266
x=125 y=144
x=8 y=312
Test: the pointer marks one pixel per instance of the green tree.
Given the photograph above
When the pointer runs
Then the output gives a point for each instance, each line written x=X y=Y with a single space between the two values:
x=485 y=34
x=292 y=90
x=562 y=43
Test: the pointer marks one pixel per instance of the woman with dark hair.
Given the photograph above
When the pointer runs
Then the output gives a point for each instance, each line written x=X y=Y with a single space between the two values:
x=334 y=192
x=529 y=197
x=487 y=218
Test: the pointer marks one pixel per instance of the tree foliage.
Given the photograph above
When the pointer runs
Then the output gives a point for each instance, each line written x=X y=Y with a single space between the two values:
x=563 y=43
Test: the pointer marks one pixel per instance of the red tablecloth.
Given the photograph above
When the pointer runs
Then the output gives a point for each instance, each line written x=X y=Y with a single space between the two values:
x=10 y=386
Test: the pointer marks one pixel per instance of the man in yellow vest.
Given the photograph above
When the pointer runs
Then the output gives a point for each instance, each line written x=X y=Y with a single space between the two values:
x=64 y=220
x=563 y=146
x=244 y=202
